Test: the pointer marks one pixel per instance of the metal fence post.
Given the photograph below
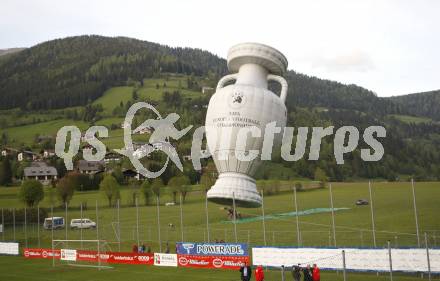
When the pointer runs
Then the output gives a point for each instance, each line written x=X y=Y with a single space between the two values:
x=298 y=233
x=65 y=212
x=13 y=221
x=235 y=217
x=372 y=215
x=81 y=229
x=207 y=216
x=390 y=260
x=25 y=229
x=119 y=227
x=344 y=274
x=38 y=226
x=427 y=256
x=264 y=221
x=137 y=221
x=3 y=226
x=415 y=212
x=282 y=273
x=181 y=219
x=333 y=215
x=158 y=223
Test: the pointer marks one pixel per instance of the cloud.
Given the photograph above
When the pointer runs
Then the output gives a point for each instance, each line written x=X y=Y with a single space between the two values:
x=352 y=61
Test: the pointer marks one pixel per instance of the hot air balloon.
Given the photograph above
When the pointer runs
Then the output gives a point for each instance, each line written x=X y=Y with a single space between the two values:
x=246 y=105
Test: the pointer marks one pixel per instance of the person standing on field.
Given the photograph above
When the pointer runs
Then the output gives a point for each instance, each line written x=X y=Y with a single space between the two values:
x=259 y=273
x=296 y=273
x=315 y=273
x=245 y=272
x=307 y=273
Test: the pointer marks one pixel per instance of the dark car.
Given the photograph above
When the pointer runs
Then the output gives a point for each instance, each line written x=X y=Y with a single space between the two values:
x=362 y=202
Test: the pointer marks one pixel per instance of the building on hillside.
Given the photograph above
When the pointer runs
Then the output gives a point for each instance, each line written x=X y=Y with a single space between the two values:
x=112 y=157
x=48 y=153
x=41 y=172
x=207 y=90
x=130 y=173
x=90 y=167
x=27 y=156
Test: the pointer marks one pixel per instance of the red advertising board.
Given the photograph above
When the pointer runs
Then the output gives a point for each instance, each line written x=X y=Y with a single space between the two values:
x=41 y=253
x=92 y=256
x=224 y=262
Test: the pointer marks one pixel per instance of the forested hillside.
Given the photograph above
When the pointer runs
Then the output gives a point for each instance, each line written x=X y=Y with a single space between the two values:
x=420 y=104
x=90 y=80
x=76 y=70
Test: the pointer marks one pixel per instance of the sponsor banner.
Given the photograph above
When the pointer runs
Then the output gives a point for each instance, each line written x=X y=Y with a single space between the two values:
x=92 y=256
x=212 y=249
x=225 y=262
x=9 y=248
x=41 y=253
x=130 y=258
x=165 y=259
x=410 y=260
x=68 y=255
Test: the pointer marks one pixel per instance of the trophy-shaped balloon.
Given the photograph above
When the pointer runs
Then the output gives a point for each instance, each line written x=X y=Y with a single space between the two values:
x=246 y=104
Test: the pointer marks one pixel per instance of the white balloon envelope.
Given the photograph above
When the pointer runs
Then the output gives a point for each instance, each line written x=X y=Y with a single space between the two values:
x=237 y=117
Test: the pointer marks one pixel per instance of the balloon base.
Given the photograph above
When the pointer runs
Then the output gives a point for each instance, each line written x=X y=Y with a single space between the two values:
x=235 y=185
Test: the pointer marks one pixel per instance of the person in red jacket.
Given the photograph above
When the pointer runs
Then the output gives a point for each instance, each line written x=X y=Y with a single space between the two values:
x=316 y=275
x=259 y=273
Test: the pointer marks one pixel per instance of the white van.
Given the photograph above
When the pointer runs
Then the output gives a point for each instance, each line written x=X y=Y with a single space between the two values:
x=58 y=222
x=82 y=223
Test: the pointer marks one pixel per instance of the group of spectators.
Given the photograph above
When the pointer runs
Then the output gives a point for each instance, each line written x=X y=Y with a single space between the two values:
x=308 y=273
x=141 y=249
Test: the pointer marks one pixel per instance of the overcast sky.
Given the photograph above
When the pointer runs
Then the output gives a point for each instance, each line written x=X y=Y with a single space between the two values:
x=389 y=47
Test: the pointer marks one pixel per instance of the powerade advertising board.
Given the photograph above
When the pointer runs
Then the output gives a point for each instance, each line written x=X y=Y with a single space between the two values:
x=212 y=249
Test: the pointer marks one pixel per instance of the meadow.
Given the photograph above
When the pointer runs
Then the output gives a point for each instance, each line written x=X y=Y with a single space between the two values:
x=394 y=220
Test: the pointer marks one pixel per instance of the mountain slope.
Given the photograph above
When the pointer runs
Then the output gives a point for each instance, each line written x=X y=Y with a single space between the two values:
x=420 y=104
x=76 y=70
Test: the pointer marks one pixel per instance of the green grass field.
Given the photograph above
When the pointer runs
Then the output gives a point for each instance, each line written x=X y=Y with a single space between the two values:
x=392 y=204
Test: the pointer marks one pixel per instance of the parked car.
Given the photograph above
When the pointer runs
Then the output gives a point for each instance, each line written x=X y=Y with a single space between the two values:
x=82 y=223
x=58 y=222
x=362 y=202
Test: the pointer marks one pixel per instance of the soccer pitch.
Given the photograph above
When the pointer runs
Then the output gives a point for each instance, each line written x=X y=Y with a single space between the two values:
x=394 y=221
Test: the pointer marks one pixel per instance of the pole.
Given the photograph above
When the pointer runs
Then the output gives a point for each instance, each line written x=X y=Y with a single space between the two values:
x=181 y=218
x=97 y=220
x=97 y=236
x=81 y=229
x=38 y=226
x=298 y=233
x=25 y=229
x=235 y=216
x=207 y=216
x=264 y=220
x=333 y=215
x=427 y=257
x=137 y=221
x=372 y=215
x=13 y=221
x=51 y=226
x=158 y=223
x=282 y=273
x=415 y=212
x=65 y=212
x=390 y=259
x=344 y=274
x=3 y=227
x=119 y=227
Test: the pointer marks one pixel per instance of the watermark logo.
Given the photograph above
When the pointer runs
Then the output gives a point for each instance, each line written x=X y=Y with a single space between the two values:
x=226 y=141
